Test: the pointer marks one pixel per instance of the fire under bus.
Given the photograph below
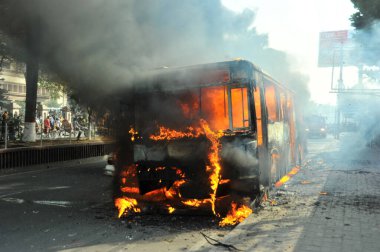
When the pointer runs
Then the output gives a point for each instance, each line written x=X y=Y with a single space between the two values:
x=212 y=137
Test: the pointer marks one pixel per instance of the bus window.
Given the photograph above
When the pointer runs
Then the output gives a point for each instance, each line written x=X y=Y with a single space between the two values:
x=214 y=107
x=239 y=104
x=283 y=102
x=259 y=122
x=271 y=102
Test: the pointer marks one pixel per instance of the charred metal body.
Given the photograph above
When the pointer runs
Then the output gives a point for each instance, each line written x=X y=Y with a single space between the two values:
x=158 y=163
x=228 y=120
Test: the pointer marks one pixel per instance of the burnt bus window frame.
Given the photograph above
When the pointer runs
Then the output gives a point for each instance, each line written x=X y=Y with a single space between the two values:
x=227 y=86
x=247 y=105
x=241 y=74
x=277 y=92
x=225 y=93
x=251 y=90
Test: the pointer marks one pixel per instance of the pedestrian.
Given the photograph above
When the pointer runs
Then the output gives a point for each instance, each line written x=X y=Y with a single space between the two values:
x=47 y=126
x=4 y=121
x=52 y=120
x=66 y=126
x=38 y=122
x=11 y=128
x=17 y=124
x=58 y=125
x=78 y=127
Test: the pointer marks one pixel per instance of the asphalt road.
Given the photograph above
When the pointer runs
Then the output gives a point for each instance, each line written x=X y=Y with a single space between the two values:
x=331 y=204
x=71 y=209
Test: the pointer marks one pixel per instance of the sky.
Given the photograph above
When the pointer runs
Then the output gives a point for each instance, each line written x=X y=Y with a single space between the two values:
x=293 y=26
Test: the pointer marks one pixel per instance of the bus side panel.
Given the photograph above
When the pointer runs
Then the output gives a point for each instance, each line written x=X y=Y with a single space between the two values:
x=262 y=132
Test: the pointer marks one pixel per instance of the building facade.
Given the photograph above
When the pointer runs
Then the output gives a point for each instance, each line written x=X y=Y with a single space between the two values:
x=12 y=80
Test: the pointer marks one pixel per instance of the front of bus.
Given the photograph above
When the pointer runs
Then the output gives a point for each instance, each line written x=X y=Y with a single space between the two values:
x=194 y=141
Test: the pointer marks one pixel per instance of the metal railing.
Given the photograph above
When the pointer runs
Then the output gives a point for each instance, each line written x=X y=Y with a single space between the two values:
x=28 y=156
x=12 y=134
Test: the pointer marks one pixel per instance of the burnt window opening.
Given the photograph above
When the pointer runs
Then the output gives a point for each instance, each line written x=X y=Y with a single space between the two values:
x=214 y=108
x=224 y=107
x=239 y=117
x=276 y=102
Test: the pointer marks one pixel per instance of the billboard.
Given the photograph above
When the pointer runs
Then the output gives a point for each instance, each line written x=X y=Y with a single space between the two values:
x=335 y=47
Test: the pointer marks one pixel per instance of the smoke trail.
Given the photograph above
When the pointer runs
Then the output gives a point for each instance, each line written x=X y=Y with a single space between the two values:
x=103 y=45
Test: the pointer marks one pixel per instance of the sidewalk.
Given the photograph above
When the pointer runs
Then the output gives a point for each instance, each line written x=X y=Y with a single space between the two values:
x=54 y=142
x=332 y=204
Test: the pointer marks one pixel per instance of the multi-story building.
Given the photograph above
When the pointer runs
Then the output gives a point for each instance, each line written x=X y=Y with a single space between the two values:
x=12 y=80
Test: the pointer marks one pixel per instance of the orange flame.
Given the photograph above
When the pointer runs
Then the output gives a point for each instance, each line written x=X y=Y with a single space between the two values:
x=189 y=110
x=126 y=204
x=213 y=168
x=195 y=202
x=235 y=215
x=171 y=209
x=224 y=181
x=174 y=189
x=128 y=189
x=133 y=133
x=169 y=134
x=214 y=159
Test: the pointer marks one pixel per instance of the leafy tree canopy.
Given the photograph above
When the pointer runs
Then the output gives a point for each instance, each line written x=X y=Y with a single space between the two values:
x=367 y=24
x=52 y=83
x=368 y=12
x=3 y=98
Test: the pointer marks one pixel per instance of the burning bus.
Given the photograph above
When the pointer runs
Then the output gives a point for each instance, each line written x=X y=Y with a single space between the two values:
x=211 y=136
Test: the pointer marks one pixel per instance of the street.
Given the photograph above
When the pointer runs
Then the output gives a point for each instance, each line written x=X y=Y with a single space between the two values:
x=331 y=204
x=71 y=209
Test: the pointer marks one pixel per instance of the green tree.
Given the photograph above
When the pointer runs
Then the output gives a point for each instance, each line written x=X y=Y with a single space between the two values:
x=4 y=50
x=52 y=83
x=52 y=103
x=367 y=24
x=368 y=12
x=24 y=29
x=3 y=98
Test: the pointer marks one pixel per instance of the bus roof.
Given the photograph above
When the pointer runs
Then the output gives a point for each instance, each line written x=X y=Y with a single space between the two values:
x=216 y=73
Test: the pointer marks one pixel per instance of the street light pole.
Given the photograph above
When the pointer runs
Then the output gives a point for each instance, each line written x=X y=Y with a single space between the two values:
x=340 y=88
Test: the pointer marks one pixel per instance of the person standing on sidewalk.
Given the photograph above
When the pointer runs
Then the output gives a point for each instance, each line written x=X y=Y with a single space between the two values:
x=79 y=128
x=4 y=121
x=58 y=125
x=47 y=126
x=52 y=121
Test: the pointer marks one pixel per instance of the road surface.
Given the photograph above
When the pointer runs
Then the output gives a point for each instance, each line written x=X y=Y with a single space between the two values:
x=332 y=204
x=71 y=209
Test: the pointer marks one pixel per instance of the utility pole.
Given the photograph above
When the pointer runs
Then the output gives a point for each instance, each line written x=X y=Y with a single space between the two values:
x=340 y=89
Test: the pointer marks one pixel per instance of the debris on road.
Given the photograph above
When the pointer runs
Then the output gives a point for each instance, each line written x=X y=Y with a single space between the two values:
x=218 y=243
x=305 y=182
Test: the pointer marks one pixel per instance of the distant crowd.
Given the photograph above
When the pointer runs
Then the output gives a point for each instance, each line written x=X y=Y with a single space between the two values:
x=13 y=125
x=57 y=126
x=50 y=127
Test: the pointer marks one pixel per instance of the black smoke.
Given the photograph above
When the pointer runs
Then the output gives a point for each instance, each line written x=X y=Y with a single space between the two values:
x=99 y=46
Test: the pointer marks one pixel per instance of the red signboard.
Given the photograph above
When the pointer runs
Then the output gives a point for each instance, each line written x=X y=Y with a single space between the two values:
x=333 y=48
x=332 y=38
